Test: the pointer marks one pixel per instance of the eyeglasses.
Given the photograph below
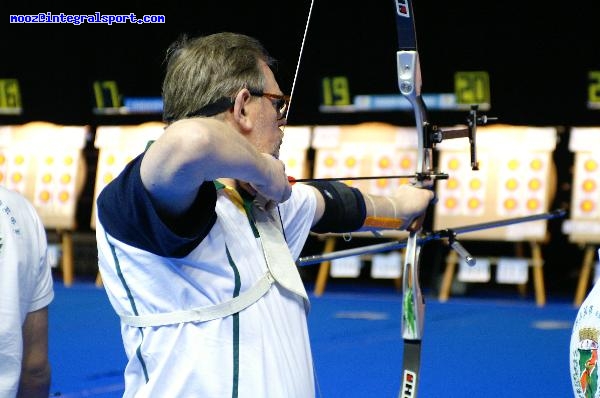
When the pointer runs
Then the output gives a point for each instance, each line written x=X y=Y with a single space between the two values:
x=280 y=102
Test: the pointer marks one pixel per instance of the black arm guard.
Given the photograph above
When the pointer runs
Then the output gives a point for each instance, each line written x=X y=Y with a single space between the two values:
x=345 y=209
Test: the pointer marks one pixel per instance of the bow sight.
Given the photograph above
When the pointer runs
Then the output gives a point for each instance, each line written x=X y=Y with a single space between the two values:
x=434 y=135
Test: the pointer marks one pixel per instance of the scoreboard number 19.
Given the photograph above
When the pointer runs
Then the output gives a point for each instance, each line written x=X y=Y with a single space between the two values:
x=336 y=90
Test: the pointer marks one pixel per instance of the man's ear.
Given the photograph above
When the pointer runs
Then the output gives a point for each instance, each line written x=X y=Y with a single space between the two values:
x=240 y=110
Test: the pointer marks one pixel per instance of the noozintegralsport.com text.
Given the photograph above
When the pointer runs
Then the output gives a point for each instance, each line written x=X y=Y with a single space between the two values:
x=97 y=17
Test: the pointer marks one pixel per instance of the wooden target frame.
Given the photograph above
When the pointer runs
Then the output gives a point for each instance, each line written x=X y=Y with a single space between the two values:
x=44 y=162
x=117 y=146
x=583 y=225
x=516 y=178
x=365 y=149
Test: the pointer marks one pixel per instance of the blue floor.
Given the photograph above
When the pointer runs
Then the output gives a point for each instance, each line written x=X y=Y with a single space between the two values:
x=473 y=347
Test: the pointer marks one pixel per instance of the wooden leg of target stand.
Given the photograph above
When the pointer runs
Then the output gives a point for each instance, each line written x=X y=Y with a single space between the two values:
x=66 y=240
x=538 y=274
x=584 y=276
x=451 y=261
x=324 y=268
x=520 y=253
x=99 y=280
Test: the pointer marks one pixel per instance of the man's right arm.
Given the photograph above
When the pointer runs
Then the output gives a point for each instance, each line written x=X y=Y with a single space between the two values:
x=192 y=151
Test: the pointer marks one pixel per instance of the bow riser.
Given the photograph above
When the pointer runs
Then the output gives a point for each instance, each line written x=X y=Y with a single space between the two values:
x=409 y=83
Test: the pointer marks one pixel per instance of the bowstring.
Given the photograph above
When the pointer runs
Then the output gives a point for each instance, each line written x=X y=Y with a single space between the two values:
x=287 y=111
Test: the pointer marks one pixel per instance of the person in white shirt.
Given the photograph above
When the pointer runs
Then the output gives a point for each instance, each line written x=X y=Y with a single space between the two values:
x=197 y=236
x=583 y=353
x=26 y=290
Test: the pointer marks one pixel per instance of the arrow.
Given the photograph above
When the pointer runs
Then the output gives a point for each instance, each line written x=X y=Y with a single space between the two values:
x=420 y=177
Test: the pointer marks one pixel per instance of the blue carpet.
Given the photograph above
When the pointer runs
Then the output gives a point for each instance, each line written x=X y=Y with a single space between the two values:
x=472 y=347
x=85 y=343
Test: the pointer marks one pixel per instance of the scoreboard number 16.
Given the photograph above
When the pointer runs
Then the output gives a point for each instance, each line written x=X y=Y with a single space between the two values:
x=10 y=96
x=594 y=89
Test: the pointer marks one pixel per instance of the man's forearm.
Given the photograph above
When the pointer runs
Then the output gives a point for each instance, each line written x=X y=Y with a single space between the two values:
x=34 y=383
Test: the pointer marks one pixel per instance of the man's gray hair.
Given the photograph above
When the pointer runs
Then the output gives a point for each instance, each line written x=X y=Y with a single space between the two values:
x=203 y=70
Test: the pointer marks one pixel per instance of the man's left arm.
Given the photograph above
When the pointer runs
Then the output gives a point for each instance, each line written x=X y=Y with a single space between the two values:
x=341 y=208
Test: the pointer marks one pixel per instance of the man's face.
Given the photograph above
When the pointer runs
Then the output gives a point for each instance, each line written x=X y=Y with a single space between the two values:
x=267 y=133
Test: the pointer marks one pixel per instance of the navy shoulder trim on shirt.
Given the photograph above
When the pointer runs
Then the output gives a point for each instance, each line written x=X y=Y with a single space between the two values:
x=128 y=214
